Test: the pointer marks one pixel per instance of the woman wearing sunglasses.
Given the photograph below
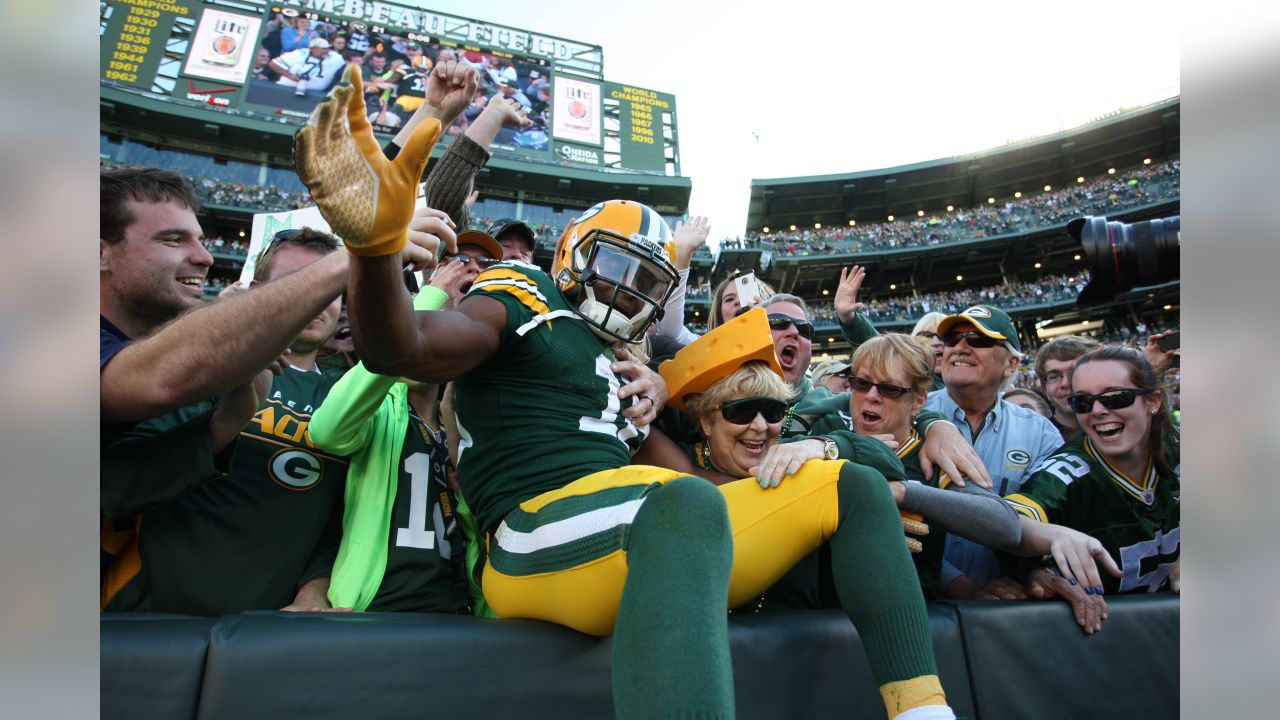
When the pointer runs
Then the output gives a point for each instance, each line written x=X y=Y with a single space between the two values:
x=1119 y=483
x=890 y=379
x=790 y=496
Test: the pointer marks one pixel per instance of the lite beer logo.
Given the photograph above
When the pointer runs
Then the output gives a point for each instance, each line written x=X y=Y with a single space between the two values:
x=225 y=47
x=581 y=99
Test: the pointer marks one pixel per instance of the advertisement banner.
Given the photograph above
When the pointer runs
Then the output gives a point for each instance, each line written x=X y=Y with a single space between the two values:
x=575 y=111
x=579 y=154
x=223 y=46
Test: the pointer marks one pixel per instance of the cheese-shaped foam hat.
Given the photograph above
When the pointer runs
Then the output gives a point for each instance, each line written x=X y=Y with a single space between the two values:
x=717 y=354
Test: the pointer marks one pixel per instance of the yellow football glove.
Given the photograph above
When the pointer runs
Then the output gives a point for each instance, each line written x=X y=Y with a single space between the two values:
x=914 y=524
x=366 y=199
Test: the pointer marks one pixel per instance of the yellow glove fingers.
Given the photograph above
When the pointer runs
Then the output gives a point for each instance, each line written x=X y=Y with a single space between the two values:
x=322 y=119
x=914 y=545
x=914 y=523
x=303 y=152
x=337 y=129
x=412 y=160
x=358 y=119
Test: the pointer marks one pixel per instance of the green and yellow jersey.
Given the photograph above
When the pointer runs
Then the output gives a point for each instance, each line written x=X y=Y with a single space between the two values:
x=421 y=574
x=550 y=378
x=1137 y=520
x=249 y=540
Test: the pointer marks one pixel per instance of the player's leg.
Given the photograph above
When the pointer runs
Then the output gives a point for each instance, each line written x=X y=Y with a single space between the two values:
x=641 y=548
x=671 y=645
x=851 y=507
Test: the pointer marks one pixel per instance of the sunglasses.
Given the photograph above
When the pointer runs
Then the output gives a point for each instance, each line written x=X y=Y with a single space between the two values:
x=483 y=262
x=1081 y=403
x=778 y=321
x=742 y=412
x=975 y=339
x=893 y=392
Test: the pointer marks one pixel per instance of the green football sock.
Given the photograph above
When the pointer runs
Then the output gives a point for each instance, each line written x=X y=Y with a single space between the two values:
x=671 y=640
x=876 y=579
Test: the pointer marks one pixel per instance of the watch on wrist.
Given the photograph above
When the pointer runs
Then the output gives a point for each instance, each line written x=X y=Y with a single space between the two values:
x=830 y=450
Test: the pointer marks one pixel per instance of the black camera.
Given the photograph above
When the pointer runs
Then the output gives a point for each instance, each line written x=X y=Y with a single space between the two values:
x=1123 y=255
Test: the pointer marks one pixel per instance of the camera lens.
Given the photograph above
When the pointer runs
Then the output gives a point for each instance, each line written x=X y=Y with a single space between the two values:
x=1123 y=256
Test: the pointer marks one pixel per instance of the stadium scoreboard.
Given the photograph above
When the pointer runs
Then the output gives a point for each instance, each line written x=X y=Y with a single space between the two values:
x=217 y=56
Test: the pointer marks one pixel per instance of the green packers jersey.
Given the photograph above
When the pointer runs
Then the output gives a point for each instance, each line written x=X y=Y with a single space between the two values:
x=1137 y=521
x=421 y=574
x=249 y=540
x=543 y=410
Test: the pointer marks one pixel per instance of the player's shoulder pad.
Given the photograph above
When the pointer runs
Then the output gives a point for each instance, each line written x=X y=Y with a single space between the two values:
x=525 y=283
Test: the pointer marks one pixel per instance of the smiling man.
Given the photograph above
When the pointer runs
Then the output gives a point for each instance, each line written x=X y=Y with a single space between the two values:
x=180 y=377
x=981 y=353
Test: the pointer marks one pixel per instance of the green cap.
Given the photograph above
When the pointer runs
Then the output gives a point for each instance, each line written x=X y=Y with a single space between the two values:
x=988 y=320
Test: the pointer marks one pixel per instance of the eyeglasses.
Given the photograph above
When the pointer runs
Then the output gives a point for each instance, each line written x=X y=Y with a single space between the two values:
x=1081 y=403
x=778 y=321
x=1055 y=377
x=482 y=261
x=975 y=339
x=742 y=412
x=893 y=392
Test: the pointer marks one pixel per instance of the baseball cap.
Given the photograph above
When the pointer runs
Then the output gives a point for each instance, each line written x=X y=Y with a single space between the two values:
x=988 y=320
x=829 y=367
x=501 y=226
x=320 y=43
x=413 y=44
x=482 y=240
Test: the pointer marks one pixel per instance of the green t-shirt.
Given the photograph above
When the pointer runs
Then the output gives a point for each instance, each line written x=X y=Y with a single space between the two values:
x=421 y=574
x=1136 y=521
x=247 y=541
x=543 y=410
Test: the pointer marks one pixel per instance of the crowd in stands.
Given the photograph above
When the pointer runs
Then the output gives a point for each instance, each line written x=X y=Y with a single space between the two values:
x=276 y=469
x=1105 y=194
x=218 y=246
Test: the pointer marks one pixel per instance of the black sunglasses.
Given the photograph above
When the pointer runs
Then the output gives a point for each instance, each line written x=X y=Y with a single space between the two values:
x=893 y=392
x=742 y=412
x=975 y=339
x=484 y=262
x=1081 y=403
x=778 y=321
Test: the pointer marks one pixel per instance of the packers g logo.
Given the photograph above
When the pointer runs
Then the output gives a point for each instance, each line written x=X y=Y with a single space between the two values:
x=1017 y=458
x=295 y=469
x=977 y=311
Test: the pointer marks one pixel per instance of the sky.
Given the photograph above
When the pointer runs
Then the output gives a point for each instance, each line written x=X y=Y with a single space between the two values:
x=780 y=89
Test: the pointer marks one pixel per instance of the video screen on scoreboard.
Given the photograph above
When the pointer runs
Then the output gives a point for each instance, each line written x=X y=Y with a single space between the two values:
x=301 y=56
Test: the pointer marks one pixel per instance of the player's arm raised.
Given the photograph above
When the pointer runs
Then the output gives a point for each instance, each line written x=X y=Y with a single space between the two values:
x=368 y=201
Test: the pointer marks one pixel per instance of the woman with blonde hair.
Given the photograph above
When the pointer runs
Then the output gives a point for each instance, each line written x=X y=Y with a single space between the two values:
x=889 y=380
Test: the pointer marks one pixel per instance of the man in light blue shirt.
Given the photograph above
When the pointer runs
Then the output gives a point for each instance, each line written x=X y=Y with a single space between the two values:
x=981 y=353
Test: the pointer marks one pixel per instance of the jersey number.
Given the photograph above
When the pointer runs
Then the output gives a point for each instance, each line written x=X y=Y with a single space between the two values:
x=607 y=423
x=1068 y=469
x=1131 y=561
x=418 y=534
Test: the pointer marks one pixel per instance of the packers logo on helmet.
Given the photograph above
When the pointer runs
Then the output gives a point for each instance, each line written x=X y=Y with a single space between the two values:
x=615 y=257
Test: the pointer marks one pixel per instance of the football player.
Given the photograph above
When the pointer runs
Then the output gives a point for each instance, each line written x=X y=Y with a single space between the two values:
x=549 y=413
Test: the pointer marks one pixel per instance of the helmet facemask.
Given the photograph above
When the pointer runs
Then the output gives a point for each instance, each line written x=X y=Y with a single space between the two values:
x=624 y=283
